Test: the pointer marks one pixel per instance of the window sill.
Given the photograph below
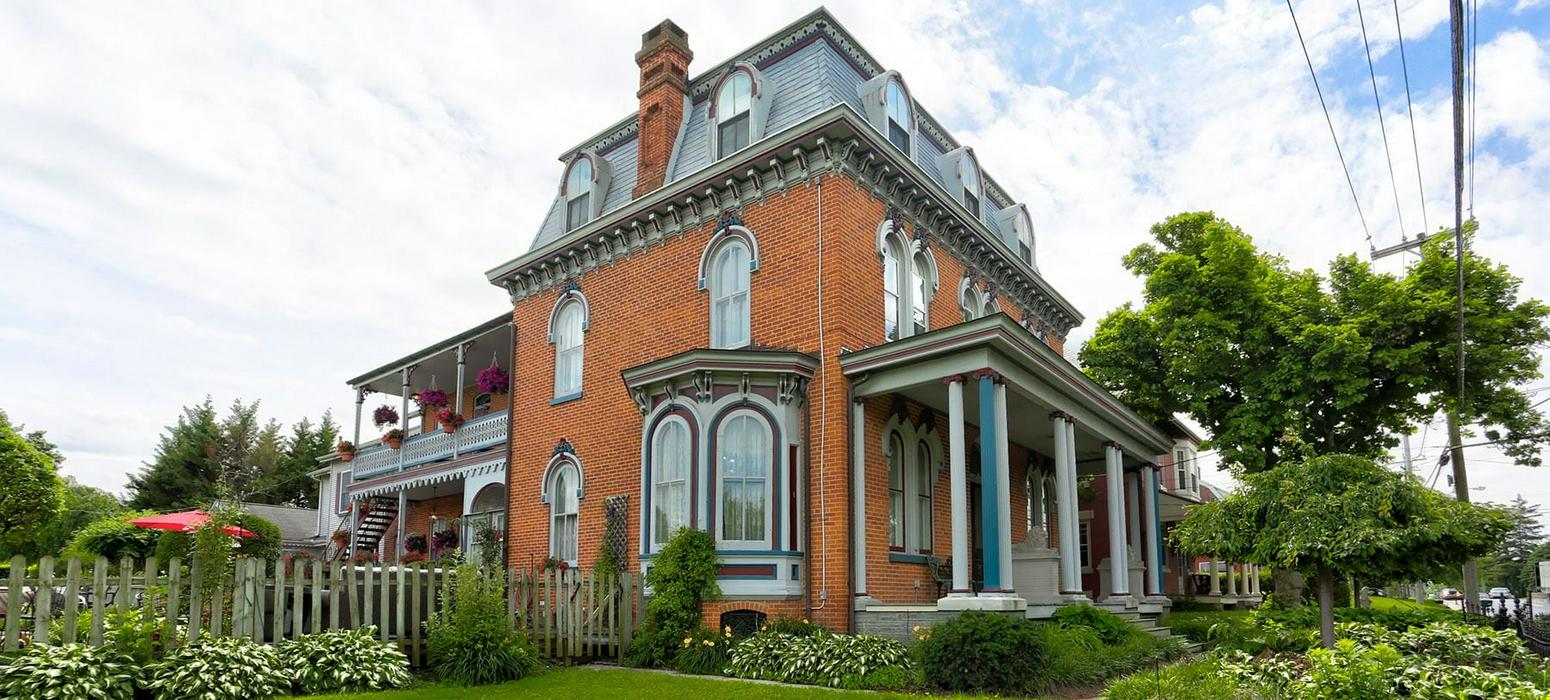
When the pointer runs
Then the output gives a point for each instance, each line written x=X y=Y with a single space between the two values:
x=564 y=398
x=904 y=558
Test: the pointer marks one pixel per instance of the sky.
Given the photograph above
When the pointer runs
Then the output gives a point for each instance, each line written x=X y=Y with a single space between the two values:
x=261 y=200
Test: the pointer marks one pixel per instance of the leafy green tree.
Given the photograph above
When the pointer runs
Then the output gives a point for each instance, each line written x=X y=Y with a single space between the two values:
x=29 y=486
x=1341 y=515
x=79 y=506
x=1280 y=364
x=114 y=537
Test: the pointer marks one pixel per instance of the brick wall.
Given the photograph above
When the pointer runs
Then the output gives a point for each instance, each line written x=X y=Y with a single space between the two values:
x=647 y=306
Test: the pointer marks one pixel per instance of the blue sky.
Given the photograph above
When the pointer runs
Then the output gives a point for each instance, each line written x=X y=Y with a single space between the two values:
x=262 y=200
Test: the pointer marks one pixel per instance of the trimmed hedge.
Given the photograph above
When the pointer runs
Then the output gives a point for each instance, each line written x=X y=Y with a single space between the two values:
x=985 y=653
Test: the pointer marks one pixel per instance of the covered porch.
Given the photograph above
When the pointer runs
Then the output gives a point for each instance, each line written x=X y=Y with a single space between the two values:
x=1030 y=447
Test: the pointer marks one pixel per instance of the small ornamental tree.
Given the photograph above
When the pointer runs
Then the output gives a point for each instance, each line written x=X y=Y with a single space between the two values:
x=30 y=498
x=1341 y=515
x=683 y=577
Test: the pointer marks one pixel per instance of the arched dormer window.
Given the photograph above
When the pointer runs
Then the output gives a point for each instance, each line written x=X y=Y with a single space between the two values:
x=725 y=271
x=970 y=173
x=740 y=107
x=578 y=193
x=1016 y=228
x=897 y=107
x=567 y=331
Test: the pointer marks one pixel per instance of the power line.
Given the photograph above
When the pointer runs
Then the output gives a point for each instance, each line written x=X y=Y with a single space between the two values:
x=1389 y=157
x=1415 y=143
x=1354 y=199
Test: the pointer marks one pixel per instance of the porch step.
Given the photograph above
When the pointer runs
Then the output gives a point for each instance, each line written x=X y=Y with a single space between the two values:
x=374 y=524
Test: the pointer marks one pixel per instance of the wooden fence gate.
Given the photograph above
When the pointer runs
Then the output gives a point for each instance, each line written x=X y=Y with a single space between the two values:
x=568 y=614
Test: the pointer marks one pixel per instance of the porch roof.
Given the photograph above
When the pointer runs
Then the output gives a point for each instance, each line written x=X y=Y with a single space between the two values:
x=428 y=475
x=1034 y=373
x=494 y=335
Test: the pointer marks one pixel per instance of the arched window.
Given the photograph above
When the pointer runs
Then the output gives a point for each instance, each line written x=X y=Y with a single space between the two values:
x=578 y=193
x=733 y=114
x=563 y=484
x=922 y=514
x=893 y=287
x=896 y=501
x=482 y=404
x=919 y=293
x=729 y=310
x=969 y=174
x=972 y=301
x=743 y=470
x=491 y=498
x=568 y=333
x=898 y=109
x=670 y=464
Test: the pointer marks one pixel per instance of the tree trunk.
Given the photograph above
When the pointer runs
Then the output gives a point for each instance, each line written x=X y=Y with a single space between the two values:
x=1326 y=606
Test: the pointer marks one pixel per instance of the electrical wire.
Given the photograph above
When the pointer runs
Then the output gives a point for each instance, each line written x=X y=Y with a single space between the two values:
x=1354 y=199
x=1382 y=129
x=1415 y=143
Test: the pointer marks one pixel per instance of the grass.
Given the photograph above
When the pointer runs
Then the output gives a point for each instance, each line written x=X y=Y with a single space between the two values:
x=613 y=682
x=1382 y=603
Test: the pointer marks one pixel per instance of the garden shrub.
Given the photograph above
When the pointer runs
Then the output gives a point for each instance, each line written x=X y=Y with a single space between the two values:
x=1200 y=679
x=113 y=537
x=705 y=652
x=1110 y=628
x=816 y=659
x=471 y=640
x=797 y=626
x=889 y=678
x=344 y=661
x=1078 y=656
x=68 y=672
x=219 y=668
x=682 y=577
x=985 y=652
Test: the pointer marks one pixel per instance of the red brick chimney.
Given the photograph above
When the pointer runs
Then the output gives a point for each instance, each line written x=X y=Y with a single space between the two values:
x=664 y=80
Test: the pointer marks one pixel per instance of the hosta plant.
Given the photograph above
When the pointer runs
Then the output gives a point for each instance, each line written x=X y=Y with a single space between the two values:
x=67 y=672
x=816 y=659
x=220 y=668
x=344 y=661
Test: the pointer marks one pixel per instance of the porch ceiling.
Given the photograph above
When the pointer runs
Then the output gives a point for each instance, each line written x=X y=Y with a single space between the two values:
x=1038 y=381
x=439 y=360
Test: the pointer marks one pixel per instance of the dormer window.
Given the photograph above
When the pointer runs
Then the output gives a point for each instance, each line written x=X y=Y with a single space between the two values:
x=1025 y=244
x=578 y=193
x=898 y=110
x=734 y=114
x=970 y=176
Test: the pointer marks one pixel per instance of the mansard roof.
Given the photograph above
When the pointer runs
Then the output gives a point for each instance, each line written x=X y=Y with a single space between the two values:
x=810 y=65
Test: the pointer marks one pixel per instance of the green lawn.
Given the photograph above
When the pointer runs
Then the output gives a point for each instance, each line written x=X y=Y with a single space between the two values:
x=1382 y=603
x=611 y=682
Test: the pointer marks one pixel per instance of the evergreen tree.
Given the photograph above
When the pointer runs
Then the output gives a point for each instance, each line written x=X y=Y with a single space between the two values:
x=185 y=468
x=290 y=481
x=1506 y=565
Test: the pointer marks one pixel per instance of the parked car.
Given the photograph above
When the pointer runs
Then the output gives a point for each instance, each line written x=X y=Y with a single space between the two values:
x=1501 y=592
x=1450 y=594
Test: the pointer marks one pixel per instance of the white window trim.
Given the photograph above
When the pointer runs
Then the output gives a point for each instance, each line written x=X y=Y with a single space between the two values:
x=656 y=483
x=602 y=176
x=720 y=336
x=735 y=234
x=911 y=438
x=573 y=517
x=874 y=101
x=570 y=296
x=758 y=109
x=770 y=500
x=890 y=238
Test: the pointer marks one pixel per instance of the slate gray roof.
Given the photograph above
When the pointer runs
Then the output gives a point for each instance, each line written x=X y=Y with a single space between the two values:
x=809 y=66
x=297 y=525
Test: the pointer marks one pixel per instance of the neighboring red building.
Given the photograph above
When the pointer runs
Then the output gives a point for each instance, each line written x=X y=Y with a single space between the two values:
x=782 y=304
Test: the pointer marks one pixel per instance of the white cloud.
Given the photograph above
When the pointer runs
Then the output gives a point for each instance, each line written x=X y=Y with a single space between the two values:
x=261 y=200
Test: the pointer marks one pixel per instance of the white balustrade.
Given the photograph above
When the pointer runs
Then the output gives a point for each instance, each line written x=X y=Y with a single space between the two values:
x=482 y=432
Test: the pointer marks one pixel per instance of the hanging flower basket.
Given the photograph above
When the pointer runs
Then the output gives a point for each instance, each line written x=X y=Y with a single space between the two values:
x=449 y=420
x=493 y=380
x=394 y=439
x=429 y=399
x=341 y=537
x=445 y=539
x=415 y=543
x=345 y=450
x=384 y=416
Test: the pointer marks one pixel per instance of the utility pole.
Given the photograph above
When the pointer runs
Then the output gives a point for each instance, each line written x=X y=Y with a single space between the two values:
x=1460 y=479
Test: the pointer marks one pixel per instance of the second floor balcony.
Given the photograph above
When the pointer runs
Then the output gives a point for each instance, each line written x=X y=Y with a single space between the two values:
x=478 y=434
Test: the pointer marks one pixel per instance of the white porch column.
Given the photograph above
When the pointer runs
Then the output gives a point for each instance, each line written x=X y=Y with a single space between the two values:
x=360 y=400
x=1216 y=570
x=403 y=416
x=403 y=512
x=1255 y=569
x=1232 y=578
x=858 y=497
x=1133 y=513
x=1119 y=553
x=1003 y=489
x=958 y=482
x=1065 y=505
x=457 y=401
x=1153 y=535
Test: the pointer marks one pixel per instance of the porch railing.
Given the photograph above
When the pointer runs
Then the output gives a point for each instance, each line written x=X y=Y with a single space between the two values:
x=568 y=615
x=477 y=434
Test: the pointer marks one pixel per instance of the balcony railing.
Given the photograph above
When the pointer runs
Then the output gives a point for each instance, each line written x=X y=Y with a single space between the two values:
x=477 y=434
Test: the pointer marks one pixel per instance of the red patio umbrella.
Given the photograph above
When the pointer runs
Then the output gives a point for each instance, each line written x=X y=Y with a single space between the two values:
x=185 y=521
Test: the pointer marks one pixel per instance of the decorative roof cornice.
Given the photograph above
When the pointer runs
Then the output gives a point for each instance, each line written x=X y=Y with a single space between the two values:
x=834 y=141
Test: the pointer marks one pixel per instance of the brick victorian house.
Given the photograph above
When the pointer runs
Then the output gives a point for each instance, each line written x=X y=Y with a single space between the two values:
x=782 y=304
